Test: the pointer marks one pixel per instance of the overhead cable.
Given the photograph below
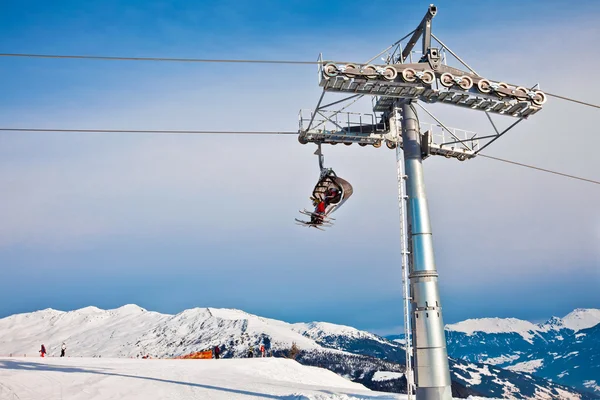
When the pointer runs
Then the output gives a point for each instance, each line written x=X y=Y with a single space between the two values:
x=573 y=100
x=175 y=132
x=207 y=60
x=540 y=169
x=190 y=60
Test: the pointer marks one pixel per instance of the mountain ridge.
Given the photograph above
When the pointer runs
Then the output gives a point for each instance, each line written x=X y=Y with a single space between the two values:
x=578 y=319
x=131 y=331
x=564 y=350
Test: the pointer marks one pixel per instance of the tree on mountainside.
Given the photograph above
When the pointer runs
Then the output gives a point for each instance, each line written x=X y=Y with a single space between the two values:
x=294 y=351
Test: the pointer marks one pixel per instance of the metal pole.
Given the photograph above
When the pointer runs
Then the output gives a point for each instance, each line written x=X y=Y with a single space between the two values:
x=424 y=25
x=394 y=123
x=429 y=342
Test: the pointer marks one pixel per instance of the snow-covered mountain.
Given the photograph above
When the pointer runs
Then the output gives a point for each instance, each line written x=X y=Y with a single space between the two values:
x=565 y=350
x=582 y=318
x=496 y=325
x=131 y=331
x=578 y=319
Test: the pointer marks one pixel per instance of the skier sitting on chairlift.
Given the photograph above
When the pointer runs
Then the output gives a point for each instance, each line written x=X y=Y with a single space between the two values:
x=332 y=196
x=317 y=218
x=330 y=193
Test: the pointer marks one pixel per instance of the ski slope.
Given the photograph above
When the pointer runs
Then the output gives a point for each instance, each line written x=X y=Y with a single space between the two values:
x=98 y=378
x=75 y=378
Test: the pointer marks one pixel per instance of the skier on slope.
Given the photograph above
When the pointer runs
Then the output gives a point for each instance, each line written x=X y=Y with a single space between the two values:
x=63 y=348
x=216 y=352
x=43 y=351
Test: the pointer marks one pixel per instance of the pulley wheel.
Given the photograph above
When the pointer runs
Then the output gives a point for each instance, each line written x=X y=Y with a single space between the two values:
x=447 y=80
x=390 y=73
x=484 y=86
x=521 y=93
x=362 y=144
x=370 y=71
x=390 y=145
x=377 y=144
x=302 y=140
x=466 y=82
x=409 y=75
x=502 y=85
x=540 y=98
x=351 y=73
x=462 y=157
x=428 y=77
x=330 y=70
x=348 y=143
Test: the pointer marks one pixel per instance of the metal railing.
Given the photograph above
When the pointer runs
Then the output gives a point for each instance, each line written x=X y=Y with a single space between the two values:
x=335 y=121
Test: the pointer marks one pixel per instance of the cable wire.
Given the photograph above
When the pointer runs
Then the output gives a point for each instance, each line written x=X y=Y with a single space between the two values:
x=175 y=132
x=540 y=169
x=207 y=60
x=191 y=60
x=147 y=131
x=573 y=100
x=252 y=133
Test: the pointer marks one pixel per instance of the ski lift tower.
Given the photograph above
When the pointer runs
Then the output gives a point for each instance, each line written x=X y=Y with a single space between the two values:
x=396 y=88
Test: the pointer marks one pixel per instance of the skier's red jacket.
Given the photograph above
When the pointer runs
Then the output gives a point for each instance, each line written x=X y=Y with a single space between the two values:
x=321 y=207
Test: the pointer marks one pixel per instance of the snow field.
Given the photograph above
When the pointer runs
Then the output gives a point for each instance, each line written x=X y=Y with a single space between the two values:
x=99 y=378
x=527 y=366
x=387 y=375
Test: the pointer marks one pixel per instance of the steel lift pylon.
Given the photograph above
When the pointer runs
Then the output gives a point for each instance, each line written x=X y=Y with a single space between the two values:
x=397 y=88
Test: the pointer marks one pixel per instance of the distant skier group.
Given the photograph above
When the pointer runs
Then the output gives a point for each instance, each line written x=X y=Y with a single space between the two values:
x=216 y=351
x=251 y=351
x=43 y=351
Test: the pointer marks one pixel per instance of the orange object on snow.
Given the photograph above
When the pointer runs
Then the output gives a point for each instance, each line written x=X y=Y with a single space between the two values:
x=197 y=355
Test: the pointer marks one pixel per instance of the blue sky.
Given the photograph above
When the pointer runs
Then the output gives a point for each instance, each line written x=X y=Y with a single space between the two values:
x=173 y=222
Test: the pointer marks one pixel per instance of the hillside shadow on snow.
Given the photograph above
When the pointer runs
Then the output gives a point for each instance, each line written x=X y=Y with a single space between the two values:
x=29 y=366
x=32 y=366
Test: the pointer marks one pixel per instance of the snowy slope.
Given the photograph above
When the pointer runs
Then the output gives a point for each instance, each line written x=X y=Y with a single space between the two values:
x=132 y=331
x=468 y=378
x=322 y=330
x=343 y=337
x=496 y=325
x=582 y=318
x=100 y=378
x=564 y=350
x=578 y=319
x=204 y=328
x=85 y=331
